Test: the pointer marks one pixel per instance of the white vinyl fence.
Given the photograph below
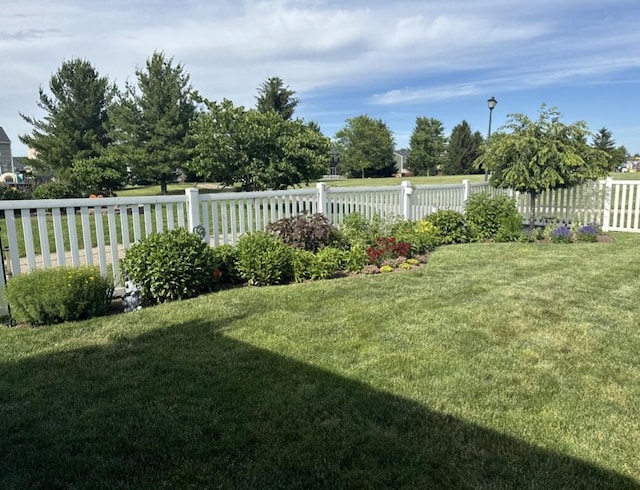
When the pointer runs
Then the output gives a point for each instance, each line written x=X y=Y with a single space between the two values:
x=98 y=231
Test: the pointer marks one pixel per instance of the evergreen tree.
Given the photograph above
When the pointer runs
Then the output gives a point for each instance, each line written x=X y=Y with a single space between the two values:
x=603 y=140
x=151 y=121
x=462 y=151
x=427 y=146
x=71 y=140
x=274 y=96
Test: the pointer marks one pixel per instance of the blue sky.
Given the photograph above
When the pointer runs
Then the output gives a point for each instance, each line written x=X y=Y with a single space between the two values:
x=391 y=60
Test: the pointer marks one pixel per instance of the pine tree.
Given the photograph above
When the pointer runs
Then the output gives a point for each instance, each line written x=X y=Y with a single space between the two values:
x=427 y=146
x=151 y=121
x=462 y=151
x=274 y=96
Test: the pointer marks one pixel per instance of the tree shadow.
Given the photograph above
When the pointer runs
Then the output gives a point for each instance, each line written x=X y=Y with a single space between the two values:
x=186 y=406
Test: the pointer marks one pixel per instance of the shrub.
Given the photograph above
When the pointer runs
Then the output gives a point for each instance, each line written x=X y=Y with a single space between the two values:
x=485 y=214
x=327 y=262
x=425 y=237
x=358 y=230
x=60 y=294
x=510 y=230
x=11 y=194
x=302 y=262
x=55 y=190
x=387 y=248
x=561 y=234
x=226 y=257
x=172 y=265
x=386 y=268
x=264 y=259
x=306 y=231
x=356 y=258
x=587 y=233
x=451 y=226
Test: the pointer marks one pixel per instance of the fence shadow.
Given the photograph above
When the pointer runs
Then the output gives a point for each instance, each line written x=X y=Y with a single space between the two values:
x=188 y=407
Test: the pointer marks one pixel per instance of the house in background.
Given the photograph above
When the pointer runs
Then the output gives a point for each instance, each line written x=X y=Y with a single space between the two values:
x=6 y=159
x=401 y=170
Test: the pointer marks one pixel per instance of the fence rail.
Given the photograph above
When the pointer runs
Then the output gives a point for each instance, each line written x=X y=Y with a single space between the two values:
x=49 y=233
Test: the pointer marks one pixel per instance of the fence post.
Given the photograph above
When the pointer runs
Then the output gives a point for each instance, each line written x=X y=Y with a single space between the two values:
x=321 y=187
x=193 y=210
x=606 y=218
x=466 y=192
x=407 y=190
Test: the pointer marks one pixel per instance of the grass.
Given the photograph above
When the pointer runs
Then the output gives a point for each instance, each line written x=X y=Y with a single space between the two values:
x=493 y=366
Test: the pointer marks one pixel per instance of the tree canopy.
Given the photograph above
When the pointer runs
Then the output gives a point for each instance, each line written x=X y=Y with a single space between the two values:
x=151 y=121
x=462 y=151
x=365 y=146
x=73 y=137
x=274 y=96
x=427 y=146
x=603 y=140
x=532 y=156
x=255 y=149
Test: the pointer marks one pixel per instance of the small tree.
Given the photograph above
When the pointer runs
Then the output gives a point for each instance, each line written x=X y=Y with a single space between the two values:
x=365 y=146
x=535 y=156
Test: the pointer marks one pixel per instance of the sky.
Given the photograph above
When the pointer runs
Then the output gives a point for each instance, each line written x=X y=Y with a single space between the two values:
x=392 y=60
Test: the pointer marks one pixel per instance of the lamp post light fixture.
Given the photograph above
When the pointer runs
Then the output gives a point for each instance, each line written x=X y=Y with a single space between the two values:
x=491 y=103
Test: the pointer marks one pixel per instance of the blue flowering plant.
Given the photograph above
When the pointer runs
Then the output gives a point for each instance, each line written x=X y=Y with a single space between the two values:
x=587 y=233
x=561 y=234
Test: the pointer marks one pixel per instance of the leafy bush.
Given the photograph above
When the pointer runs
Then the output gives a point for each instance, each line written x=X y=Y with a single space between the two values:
x=264 y=259
x=485 y=214
x=587 y=233
x=387 y=248
x=172 y=265
x=306 y=231
x=327 y=262
x=302 y=262
x=561 y=234
x=356 y=258
x=60 y=294
x=510 y=230
x=12 y=194
x=451 y=226
x=55 y=190
x=226 y=257
x=359 y=230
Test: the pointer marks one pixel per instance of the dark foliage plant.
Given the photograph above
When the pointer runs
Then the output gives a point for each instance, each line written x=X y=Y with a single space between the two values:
x=387 y=248
x=55 y=190
x=172 y=265
x=310 y=232
x=11 y=194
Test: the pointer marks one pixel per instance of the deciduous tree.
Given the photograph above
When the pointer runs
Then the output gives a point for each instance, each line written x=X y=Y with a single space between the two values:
x=258 y=150
x=427 y=146
x=535 y=156
x=365 y=146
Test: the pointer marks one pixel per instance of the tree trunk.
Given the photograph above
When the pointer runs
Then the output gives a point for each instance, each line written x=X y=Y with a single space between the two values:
x=532 y=211
x=163 y=187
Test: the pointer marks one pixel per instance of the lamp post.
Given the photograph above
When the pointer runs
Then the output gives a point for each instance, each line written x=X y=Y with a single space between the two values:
x=491 y=103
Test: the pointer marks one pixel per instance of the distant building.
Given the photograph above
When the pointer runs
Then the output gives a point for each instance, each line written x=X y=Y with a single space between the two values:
x=400 y=157
x=5 y=153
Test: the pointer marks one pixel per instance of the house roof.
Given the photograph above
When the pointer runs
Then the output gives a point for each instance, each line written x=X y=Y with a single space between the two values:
x=3 y=136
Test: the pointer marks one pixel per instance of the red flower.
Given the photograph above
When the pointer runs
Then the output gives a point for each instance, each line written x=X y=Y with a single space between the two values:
x=217 y=273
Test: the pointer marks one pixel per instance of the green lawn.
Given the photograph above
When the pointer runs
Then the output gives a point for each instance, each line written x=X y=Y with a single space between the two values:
x=493 y=366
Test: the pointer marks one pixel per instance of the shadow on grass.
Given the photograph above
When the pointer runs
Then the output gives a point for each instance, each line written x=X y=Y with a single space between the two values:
x=188 y=407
